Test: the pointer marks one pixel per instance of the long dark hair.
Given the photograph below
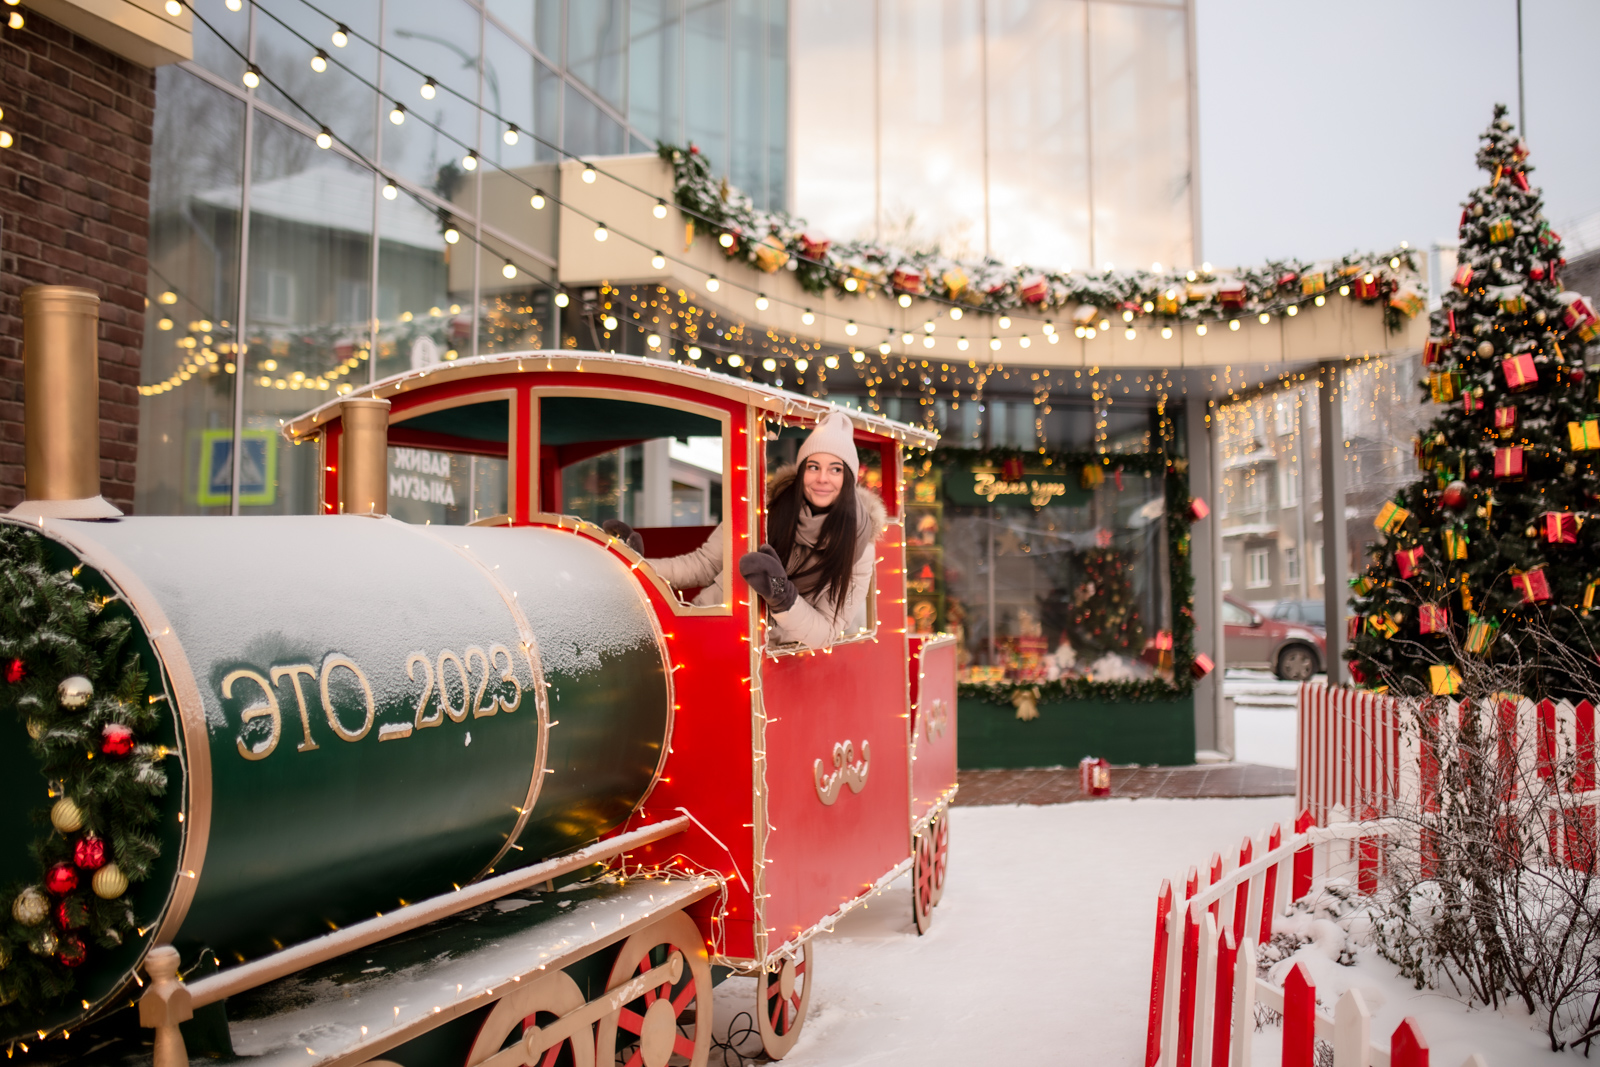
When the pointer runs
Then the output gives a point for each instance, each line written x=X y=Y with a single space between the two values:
x=826 y=571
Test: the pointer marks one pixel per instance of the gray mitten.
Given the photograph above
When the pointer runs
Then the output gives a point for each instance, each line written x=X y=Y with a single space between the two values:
x=763 y=572
x=624 y=533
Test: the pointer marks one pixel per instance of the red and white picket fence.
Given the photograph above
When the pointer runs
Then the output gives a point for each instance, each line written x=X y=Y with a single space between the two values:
x=1354 y=757
x=1203 y=986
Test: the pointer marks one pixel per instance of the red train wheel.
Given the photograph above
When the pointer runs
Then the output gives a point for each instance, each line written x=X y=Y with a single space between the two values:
x=924 y=889
x=670 y=1025
x=537 y=1003
x=784 y=995
x=941 y=854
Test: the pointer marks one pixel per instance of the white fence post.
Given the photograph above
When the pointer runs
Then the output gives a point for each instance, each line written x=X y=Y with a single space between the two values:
x=1205 y=990
x=1244 y=1002
x=1352 y=1031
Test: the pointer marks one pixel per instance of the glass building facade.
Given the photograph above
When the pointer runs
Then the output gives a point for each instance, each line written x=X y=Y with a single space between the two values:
x=287 y=266
x=1054 y=132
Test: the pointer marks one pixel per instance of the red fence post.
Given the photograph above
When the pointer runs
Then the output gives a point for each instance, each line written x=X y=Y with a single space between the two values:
x=1581 y=840
x=1186 y=979
x=1216 y=876
x=1302 y=860
x=1222 y=1019
x=1269 y=886
x=1158 y=977
x=1241 y=896
x=1367 y=858
x=1407 y=1048
x=1299 y=1019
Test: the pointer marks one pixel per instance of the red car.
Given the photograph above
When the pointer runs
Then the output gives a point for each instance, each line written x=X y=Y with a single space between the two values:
x=1294 y=651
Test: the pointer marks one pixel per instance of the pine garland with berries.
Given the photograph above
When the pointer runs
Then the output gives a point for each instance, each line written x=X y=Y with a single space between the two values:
x=74 y=680
x=1490 y=552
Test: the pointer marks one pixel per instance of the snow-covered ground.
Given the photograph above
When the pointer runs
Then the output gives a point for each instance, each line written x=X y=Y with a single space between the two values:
x=1040 y=951
x=1263 y=717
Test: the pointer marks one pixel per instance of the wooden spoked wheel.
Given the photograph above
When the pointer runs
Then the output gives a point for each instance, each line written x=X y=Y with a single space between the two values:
x=784 y=995
x=536 y=1003
x=930 y=859
x=670 y=1025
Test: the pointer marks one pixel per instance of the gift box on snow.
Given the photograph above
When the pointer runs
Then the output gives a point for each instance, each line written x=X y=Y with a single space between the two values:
x=1408 y=560
x=1578 y=313
x=1433 y=619
x=1561 y=527
x=908 y=280
x=1508 y=462
x=1231 y=295
x=1585 y=435
x=1034 y=289
x=1365 y=287
x=1519 y=371
x=1533 y=585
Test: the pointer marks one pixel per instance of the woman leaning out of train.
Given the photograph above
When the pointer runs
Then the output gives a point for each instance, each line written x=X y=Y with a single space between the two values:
x=817 y=569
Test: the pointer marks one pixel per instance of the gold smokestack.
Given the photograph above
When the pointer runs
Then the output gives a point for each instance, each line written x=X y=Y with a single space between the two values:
x=364 y=457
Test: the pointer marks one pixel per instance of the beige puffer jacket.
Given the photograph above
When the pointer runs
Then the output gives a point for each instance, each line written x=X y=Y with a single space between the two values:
x=803 y=623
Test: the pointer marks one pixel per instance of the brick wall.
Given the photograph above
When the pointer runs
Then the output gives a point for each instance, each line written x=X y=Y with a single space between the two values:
x=75 y=210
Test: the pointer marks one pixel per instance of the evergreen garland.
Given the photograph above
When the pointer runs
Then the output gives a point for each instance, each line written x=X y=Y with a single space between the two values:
x=1492 y=552
x=1175 y=473
x=104 y=781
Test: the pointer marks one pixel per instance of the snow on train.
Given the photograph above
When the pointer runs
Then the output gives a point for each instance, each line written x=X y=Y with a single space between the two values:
x=478 y=794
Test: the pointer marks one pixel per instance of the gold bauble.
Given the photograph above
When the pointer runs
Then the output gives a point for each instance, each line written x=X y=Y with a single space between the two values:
x=1531 y=532
x=66 y=816
x=75 y=692
x=31 y=907
x=35 y=729
x=109 y=882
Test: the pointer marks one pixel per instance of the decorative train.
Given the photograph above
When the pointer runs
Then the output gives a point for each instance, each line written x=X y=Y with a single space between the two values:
x=476 y=794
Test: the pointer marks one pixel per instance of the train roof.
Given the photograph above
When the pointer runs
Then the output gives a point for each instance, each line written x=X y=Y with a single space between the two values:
x=777 y=401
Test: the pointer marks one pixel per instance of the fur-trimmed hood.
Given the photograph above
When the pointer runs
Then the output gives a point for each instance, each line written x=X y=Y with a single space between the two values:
x=873 y=517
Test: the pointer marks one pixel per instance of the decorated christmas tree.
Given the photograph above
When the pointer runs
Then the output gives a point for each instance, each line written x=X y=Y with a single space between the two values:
x=1488 y=554
x=1104 y=616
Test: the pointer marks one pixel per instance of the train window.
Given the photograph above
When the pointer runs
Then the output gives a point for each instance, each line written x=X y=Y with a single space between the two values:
x=449 y=465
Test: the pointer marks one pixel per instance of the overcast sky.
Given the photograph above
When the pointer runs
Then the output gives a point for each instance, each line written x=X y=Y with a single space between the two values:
x=1331 y=127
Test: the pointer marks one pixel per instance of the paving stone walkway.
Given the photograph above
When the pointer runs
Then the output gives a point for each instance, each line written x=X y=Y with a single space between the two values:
x=1060 y=785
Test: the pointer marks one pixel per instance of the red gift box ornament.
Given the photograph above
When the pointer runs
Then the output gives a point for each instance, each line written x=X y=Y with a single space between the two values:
x=1202 y=665
x=116 y=739
x=1011 y=469
x=1561 y=527
x=814 y=246
x=1508 y=462
x=1357 y=675
x=1578 y=313
x=1505 y=419
x=908 y=280
x=1533 y=585
x=1433 y=351
x=1352 y=627
x=1519 y=371
x=1462 y=279
x=89 y=853
x=1366 y=287
x=1231 y=295
x=1407 y=560
x=1034 y=289
x=1433 y=619
x=1198 y=509
x=1094 y=777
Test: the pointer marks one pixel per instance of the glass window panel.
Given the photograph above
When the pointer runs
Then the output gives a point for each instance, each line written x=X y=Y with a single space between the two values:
x=706 y=71
x=833 y=151
x=1038 y=147
x=439 y=38
x=509 y=93
x=1139 y=98
x=777 y=79
x=516 y=320
x=747 y=160
x=547 y=102
x=221 y=38
x=655 y=53
x=445 y=488
x=589 y=131
x=596 y=37
x=195 y=193
x=308 y=298
x=423 y=284
x=547 y=29
x=339 y=97
x=932 y=124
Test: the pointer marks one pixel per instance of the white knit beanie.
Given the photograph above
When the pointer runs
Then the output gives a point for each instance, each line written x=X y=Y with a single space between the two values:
x=835 y=436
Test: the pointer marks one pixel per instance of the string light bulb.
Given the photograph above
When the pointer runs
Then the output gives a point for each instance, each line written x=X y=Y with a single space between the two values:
x=324 y=138
x=658 y=261
x=884 y=348
x=252 y=73
x=736 y=360
x=761 y=301
x=562 y=300
x=858 y=357
x=319 y=61
x=509 y=271
x=905 y=300
x=807 y=317
x=1321 y=300
x=588 y=174
x=660 y=210
x=850 y=327
x=769 y=364
x=850 y=285
x=1005 y=322
x=1048 y=329
x=512 y=134
x=726 y=240
x=831 y=362
x=802 y=365
x=906 y=338
x=955 y=314
x=600 y=233
x=961 y=343
x=235 y=5
x=341 y=35
x=712 y=285
x=1166 y=333
x=1130 y=333
x=1264 y=318
x=1233 y=324
x=927 y=342
x=927 y=327
x=397 y=114
x=174 y=8
x=1023 y=341
x=694 y=351
x=390 y=190
x=452 y=235
x=1200 y=330
x=469 y=161
x=536 y=201
x=1292 y=310
x=994 y=344
x=15 y=20
x=428 y=89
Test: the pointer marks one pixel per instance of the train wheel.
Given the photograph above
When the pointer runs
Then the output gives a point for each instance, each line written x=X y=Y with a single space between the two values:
x=538 y=1003
x=671 y=1024
x=927 y=875
x=785 y=994
x=941 y=854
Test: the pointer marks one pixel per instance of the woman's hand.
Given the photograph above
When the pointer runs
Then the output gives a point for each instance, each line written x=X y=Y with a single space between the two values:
x=763 y=572
x=624 y=533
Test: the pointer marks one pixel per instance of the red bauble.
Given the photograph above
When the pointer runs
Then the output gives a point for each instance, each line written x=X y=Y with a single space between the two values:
x=15 y=671
x=61 y=879
x=89 y=853
x=72 y=913
x=1536 y=273
x=116 y=739
x=1474 y=474
x=1454 y=496
x=72 y=951
x=1576 y=374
